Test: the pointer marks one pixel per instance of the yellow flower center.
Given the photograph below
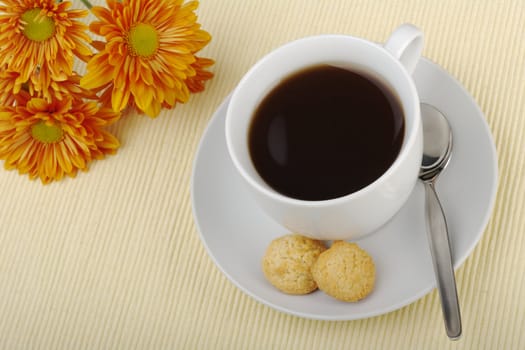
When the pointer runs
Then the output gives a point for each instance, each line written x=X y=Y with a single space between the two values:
x=143 y=40
x=46 y=133
x=37 y=28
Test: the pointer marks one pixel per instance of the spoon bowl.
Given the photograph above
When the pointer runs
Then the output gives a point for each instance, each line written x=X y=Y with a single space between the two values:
x=437 y=138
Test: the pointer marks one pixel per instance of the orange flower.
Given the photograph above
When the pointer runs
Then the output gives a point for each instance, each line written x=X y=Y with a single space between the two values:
x=39 y=39
x=60 y=89
x=11 y=87
x=51 y=140
x=148 y=55
x=196 y=82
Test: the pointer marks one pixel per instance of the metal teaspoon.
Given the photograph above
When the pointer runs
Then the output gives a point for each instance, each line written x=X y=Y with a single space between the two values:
x=437 y=148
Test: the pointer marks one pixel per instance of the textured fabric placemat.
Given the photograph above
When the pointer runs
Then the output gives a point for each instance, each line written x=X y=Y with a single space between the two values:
x=112 y=259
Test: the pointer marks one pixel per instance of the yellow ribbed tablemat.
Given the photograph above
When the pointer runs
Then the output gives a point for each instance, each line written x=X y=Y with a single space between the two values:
x=112 y=259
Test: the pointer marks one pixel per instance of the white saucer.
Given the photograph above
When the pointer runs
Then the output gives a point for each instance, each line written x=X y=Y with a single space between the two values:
x=236 y=233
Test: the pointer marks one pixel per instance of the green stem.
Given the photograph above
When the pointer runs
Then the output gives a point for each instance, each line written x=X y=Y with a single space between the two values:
x=87 y=4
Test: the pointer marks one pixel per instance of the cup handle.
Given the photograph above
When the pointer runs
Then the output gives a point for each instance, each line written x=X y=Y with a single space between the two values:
x=406 y=44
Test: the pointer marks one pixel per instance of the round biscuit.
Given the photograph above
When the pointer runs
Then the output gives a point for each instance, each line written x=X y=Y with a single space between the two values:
x=288 y=261
x=345 y=272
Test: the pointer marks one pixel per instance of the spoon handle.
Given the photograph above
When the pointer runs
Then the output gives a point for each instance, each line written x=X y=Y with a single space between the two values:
x=442 y=260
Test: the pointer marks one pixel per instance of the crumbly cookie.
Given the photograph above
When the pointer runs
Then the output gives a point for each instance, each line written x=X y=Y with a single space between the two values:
x=345 y=272
x=288 y=261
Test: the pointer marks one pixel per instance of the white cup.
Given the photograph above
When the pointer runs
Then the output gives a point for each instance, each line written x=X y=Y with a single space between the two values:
x=361 y=212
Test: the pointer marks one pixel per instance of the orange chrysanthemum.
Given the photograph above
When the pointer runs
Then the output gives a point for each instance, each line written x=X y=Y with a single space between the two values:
x=61 y=89
x=51 y=140
x=11 y=87
x=149 y=53
x=39 y=39
x=196 y=82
